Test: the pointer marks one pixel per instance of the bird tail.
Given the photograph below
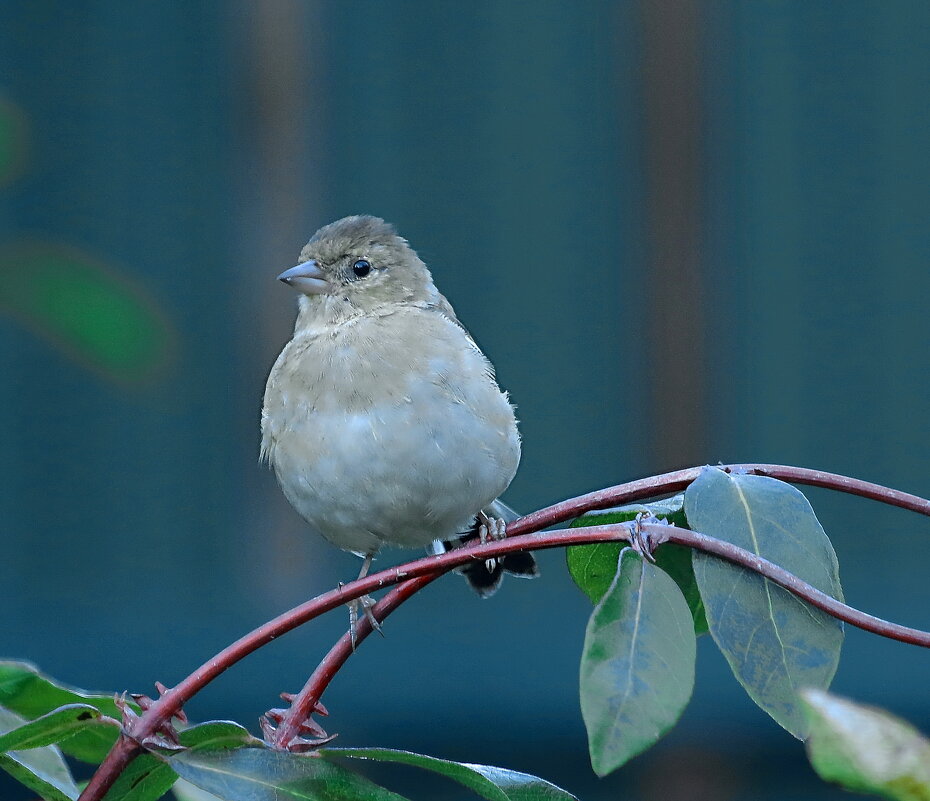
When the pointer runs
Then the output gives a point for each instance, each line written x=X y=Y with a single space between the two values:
x=485 y=576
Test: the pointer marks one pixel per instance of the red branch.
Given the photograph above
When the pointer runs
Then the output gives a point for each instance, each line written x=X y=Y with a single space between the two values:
x=421 y=572
x=316 y=685
x=675 y=482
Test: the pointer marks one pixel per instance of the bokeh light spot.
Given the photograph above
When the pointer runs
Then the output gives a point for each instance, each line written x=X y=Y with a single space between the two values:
x=90 y=311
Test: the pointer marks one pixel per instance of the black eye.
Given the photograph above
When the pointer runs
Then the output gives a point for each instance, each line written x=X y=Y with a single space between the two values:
x=361 y=268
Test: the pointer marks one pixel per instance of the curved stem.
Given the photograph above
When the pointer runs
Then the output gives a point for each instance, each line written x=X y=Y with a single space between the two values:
x=679 y=479
x=304 y=702
x=778 y=575
x=316 y=685
x=172 y=700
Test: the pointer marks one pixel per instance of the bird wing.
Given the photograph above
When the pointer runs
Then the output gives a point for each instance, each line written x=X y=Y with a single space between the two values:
x=440 y=305
x=501 y=510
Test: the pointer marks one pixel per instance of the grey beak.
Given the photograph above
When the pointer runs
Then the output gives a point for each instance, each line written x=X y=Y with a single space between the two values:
x=307 y=278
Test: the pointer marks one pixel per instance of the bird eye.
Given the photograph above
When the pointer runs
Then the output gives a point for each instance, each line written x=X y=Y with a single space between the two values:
x=361 y=268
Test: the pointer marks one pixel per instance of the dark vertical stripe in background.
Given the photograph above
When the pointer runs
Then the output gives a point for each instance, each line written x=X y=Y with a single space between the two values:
x=281 y=117
x=675 y=303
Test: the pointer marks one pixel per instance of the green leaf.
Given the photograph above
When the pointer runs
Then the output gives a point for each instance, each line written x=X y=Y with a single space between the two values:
x=31 y=694
x=637 y=667
x=216 y=735
x=676 y=560
x=149 y=777
x=866 y=749
x=51 y=728
x=42 y=770
x=183 y=790
x=260 y=774
x=774 y=642
x=494 y=784
x=146 y=778
x=670 y=509
x=592 y=567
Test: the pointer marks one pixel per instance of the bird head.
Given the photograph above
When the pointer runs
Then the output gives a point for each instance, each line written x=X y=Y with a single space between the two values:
x=358 y=261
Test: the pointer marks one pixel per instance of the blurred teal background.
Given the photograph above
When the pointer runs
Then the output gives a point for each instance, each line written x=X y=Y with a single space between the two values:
x=684 y=232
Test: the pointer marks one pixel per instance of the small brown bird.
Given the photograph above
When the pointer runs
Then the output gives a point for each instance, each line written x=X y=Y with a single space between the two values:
x=382 y=418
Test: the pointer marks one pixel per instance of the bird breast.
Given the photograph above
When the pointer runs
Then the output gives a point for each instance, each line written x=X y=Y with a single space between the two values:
x=389 y=429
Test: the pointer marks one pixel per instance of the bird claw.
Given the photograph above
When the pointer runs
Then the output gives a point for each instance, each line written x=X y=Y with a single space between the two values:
x=491 y=529
x=367 y=603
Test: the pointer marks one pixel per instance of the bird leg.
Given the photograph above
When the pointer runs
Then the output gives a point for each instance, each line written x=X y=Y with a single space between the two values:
x=366 y=602
x=493 y=529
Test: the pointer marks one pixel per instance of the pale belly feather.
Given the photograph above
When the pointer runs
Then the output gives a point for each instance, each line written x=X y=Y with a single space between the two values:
x=386 y=453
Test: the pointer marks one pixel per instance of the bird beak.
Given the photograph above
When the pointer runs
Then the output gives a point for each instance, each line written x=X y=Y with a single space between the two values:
x=307 y=278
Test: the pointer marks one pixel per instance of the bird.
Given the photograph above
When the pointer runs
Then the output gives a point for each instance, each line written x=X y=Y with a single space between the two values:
x=382 y=418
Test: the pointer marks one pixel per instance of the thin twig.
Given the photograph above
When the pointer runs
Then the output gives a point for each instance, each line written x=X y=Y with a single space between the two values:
x=161 y=711
x=305 y=701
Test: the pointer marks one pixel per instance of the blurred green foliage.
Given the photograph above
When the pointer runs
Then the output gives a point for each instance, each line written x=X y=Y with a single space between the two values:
x=78 y=304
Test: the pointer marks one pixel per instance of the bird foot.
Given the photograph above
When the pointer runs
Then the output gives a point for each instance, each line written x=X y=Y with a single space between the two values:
x=484 y=576
x=367 y=603
x=491 y=529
